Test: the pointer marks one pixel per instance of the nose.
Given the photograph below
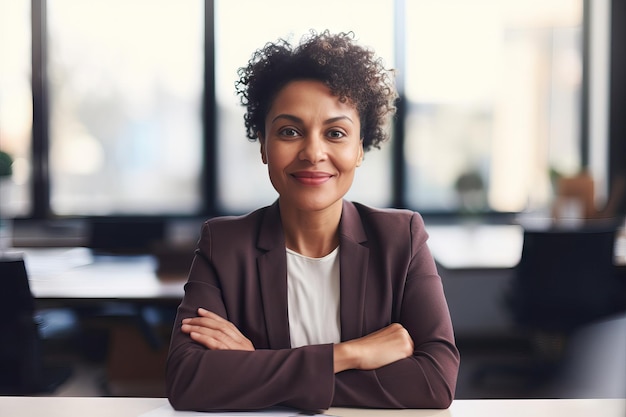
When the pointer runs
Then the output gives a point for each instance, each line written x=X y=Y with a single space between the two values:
x=313 y=149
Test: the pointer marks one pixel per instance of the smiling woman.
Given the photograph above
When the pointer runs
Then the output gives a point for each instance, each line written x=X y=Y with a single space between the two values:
x=312 y=147
x=314 y=301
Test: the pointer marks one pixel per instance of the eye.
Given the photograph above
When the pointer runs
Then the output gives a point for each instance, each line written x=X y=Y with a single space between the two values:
x=336 y=134
x=289 y=132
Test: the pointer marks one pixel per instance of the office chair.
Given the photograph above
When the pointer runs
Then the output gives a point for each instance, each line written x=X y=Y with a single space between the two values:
x=22 y=367
x=565 y=279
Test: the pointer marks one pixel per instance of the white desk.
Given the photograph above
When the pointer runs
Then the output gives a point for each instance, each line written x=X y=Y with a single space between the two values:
x=76 y=274
x=136 y=407
x=488 y=246
x=476 y=246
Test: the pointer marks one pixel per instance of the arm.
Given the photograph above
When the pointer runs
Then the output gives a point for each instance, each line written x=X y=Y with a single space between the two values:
x=426 y=377
x=384 y=346
x=251 y=377
x=373 y=351
x=215 y=332
x=205 y=379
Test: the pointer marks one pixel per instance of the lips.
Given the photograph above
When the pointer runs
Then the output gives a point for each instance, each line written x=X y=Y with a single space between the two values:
x=311 y=177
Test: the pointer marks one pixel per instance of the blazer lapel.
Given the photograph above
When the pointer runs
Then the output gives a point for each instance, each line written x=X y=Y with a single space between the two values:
x=272 y=267
x=353 y=260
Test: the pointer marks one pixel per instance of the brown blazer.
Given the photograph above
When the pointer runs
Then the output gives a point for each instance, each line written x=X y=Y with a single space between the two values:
x=387 y=275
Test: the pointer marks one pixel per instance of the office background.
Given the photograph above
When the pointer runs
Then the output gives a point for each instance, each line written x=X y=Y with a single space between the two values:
x=131 y=110
x=124 y=127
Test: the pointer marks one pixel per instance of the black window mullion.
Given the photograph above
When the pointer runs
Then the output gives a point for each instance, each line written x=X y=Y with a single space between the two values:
x=617 y=103
x=584 y=88
x=40 y=137
x=209 y=109
x=398 y=194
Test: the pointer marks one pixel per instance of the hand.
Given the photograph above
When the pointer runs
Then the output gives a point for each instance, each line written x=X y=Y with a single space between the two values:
x=215 y=332
x=374 y=350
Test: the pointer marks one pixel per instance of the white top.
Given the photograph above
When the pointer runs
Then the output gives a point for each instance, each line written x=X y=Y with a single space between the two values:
x=313 y=299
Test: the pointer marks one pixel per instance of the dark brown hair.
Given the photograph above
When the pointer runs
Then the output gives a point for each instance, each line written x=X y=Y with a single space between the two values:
x=352 y=72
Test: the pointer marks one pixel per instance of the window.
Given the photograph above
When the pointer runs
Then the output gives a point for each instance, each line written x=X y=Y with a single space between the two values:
x=16 y=106
x=125 y=106
x=493 y=90
x=492 y=102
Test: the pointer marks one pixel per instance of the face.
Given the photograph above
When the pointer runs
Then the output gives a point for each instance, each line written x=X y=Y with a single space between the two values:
x=311 y=145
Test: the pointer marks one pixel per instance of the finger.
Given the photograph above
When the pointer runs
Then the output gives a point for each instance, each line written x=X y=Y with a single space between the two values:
x=219 y=320
x=208 y=318
x=208 y=326
x=217 y=329
x=208 y=341
x=216 y=339
x=213 y=339
x=206 y=313
x=215 y=322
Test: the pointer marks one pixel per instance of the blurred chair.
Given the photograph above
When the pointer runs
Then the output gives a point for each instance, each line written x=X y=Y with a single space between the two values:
x=23 y=370
x=566 y=279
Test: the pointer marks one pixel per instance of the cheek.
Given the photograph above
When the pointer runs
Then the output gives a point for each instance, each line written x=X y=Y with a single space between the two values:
x=277 y=159
x=349 y=160
x=274 y=157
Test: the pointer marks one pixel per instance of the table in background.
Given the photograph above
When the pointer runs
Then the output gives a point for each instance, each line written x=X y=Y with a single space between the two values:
x=471 y=246
x=119 y=307
x=76 y=274
x=136 y=407
x=477 y=264
x=489 y=246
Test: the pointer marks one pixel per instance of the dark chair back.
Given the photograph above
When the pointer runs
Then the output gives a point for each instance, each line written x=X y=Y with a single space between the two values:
x=15 y=297
x=565 y=278
x=22 y=369
x=19 y=347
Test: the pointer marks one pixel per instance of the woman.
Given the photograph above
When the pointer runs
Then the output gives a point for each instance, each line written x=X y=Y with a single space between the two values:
x=313 y=301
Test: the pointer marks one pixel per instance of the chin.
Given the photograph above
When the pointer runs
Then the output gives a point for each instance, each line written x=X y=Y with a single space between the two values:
x=318 y=205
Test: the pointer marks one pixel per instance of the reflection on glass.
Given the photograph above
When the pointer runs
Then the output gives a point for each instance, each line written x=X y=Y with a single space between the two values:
x=126 y=84
x=16 y=107
x=243 y=182
x=493 y=90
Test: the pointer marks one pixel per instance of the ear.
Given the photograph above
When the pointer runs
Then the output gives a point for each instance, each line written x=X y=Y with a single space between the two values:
x=359 y=160
x=263 y=152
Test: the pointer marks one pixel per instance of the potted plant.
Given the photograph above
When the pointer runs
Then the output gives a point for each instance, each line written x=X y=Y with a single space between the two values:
x=6 y=171
x=6 y=165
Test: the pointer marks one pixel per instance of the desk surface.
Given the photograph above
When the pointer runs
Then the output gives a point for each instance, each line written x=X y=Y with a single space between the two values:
x=75 y=273
x=137 y=407
x=476 y=246
x=488 y=246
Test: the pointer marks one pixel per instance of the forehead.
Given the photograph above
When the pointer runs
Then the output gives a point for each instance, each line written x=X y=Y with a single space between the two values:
x=302 y=95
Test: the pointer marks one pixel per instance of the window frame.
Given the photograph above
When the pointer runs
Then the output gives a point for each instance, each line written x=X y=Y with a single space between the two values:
x=40 y=192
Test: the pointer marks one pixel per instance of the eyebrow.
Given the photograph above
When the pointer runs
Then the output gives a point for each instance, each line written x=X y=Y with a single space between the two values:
x=299 y=120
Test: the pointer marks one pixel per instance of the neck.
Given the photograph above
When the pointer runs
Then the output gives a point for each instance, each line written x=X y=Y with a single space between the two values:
x=313 y=234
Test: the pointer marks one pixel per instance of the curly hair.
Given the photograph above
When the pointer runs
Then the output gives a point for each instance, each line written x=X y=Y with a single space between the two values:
x=351 y=72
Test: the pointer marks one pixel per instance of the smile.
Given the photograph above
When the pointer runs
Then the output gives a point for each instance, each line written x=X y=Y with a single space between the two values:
x=311 y=178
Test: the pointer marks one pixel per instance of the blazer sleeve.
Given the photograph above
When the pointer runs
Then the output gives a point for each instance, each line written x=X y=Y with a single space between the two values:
x=427 y=379
x=200 y=379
